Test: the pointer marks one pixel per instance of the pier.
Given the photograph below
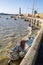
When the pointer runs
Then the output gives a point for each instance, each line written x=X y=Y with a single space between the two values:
x=35 y=54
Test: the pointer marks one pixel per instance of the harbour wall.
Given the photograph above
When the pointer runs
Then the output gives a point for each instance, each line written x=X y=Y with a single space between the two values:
x=31 y=55
x=33 y=21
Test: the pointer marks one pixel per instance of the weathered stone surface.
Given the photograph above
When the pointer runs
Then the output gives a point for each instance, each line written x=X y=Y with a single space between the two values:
x=31 y=55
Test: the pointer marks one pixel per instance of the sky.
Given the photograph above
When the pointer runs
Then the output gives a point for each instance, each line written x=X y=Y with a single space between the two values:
x=12 y=6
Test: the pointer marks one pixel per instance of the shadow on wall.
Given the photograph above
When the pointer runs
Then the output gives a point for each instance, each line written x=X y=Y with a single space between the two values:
x=39 y=59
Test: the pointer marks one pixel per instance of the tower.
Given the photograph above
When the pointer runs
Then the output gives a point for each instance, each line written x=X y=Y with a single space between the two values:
x=19 y=10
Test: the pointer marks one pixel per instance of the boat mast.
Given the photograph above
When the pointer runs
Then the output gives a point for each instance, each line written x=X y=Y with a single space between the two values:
x=33 y=8
x=32 y=12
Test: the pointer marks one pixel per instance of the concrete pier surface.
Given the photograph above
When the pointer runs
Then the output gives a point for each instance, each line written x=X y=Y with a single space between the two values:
x=31 y=55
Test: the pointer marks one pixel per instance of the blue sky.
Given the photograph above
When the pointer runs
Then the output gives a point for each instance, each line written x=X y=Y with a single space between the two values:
x=12 y=6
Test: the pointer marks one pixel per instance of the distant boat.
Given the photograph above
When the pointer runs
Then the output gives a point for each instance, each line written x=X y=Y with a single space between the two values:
x=15 y=19
x=6 y=18
x=0 y=16
x=11 y=16
x=26 y=20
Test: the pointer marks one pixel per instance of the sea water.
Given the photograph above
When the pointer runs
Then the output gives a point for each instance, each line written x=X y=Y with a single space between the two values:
x=10 y=28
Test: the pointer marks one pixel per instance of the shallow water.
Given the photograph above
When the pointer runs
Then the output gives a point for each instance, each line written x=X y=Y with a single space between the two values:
x=10 y=28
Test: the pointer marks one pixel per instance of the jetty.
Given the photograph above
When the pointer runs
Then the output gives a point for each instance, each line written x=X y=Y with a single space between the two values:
x=34 y=56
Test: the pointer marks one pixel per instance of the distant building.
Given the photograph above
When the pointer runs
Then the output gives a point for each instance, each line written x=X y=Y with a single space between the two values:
x=20 y=11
